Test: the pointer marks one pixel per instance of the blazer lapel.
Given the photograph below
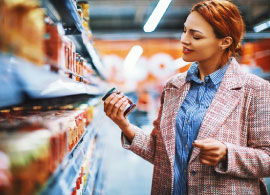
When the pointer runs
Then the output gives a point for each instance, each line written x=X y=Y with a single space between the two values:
x=224 y=102
x=176 y=93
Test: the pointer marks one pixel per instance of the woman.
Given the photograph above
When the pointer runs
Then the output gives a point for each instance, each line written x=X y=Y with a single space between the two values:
x=212 y=134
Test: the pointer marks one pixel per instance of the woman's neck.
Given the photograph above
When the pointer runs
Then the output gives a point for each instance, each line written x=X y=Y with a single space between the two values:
x=208 y=67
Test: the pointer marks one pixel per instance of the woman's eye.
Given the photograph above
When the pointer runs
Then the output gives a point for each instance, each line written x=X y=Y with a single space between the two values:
x=196 y=38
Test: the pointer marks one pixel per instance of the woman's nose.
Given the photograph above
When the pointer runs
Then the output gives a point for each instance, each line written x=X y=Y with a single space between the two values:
x=184 y=39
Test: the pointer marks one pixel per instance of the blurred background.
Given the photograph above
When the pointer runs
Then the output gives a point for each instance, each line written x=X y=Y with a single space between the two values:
x=58 y=58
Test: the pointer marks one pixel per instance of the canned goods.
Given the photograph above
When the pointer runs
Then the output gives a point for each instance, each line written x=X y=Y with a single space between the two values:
x=130 y=107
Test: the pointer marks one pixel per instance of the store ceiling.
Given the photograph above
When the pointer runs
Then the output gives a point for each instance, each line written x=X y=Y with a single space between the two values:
x=123 y=16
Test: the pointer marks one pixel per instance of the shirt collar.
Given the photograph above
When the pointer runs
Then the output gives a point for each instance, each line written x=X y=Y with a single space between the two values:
x=216 y=77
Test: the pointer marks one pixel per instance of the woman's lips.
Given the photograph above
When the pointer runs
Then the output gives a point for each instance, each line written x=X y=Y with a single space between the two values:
x=187 y=51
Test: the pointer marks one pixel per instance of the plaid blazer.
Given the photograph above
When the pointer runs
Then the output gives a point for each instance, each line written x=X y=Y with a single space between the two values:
x=239 y=117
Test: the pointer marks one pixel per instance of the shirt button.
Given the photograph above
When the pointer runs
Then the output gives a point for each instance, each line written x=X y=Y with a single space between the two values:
x=186 y=146
x=188 y=121
x=185 y=170
x=193 y=173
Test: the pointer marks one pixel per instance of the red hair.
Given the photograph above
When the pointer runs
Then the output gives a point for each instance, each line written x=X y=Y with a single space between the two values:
x=226 y=20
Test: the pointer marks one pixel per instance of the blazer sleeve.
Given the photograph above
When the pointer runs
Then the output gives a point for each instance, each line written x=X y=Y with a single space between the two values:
x=252 y=161
x=144 y=144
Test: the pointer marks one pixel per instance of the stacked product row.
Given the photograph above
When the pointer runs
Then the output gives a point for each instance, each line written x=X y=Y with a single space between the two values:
x=83 y=178
x=47 y=139
x=34 y=143
x=83 y=11
x=28 y=33
x=61 y=54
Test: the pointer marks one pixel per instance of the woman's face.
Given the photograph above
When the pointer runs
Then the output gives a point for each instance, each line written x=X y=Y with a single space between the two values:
x=199 y=40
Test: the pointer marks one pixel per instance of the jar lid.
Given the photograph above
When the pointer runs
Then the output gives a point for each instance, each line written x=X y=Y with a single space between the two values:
x=108 y=93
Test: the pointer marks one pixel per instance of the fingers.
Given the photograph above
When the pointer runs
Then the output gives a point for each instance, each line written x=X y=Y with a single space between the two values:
x=211 y=151
x=122 y=108
x=115 y=105
x=207 y=162
x=199 y=143
x=205 y=144
x=208 y=158
x=115 y=113
x=110 y=102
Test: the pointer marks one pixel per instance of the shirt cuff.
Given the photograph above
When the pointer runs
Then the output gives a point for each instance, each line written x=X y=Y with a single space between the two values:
x=125 y=140
x=222 y=167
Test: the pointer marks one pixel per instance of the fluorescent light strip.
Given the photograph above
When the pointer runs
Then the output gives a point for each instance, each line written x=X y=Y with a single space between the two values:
x=156 y=15
x=132 y=58
x=261 y=27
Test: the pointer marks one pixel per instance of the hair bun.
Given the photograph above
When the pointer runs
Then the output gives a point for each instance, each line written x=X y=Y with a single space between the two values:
x=238 y=49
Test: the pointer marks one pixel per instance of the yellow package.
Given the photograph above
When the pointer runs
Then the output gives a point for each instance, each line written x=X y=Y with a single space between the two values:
x=22 y=30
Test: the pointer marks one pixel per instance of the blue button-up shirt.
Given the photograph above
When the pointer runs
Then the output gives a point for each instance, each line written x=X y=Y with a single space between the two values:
x=189 y=119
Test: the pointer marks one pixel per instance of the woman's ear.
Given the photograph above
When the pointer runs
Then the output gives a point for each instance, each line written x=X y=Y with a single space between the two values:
x=225 y=43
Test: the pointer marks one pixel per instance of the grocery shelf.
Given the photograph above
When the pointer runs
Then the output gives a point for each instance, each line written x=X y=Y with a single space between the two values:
x=65 y=175
x=85 y=47
x=65 y=12
x=20 y=77
x=43 y=91
x=91 y=180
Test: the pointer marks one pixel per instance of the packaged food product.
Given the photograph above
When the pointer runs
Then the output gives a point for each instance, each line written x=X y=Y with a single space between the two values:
x=85 y=8
x=34 y=141
x=5 y=175
x=32 y=3
x=22 y=29
x=28 y=153
x=54 y=46
x=72 y=62
x=77 y=64
x=80 y=69
x=79 y=9
x=66 y=45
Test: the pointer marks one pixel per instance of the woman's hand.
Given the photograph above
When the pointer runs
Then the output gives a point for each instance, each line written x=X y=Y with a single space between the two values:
x=114 y=107
x=211 y=151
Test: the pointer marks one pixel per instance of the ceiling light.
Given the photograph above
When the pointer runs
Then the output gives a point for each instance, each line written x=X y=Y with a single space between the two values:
x=156 y=15
x=262 y=26
x=132 y=58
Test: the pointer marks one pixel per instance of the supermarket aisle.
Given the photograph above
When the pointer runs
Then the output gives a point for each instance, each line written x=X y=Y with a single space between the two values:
x=125 y=172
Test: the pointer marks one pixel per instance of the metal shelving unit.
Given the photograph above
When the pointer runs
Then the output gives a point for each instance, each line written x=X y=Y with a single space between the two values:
x=66 y=173
x=65 y=12
x=85 y=47
x=20 y=78
x=24 y=84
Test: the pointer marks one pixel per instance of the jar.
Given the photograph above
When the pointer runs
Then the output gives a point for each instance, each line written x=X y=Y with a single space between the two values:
x=80 y=11
x=130 y=107
x=77 y=63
